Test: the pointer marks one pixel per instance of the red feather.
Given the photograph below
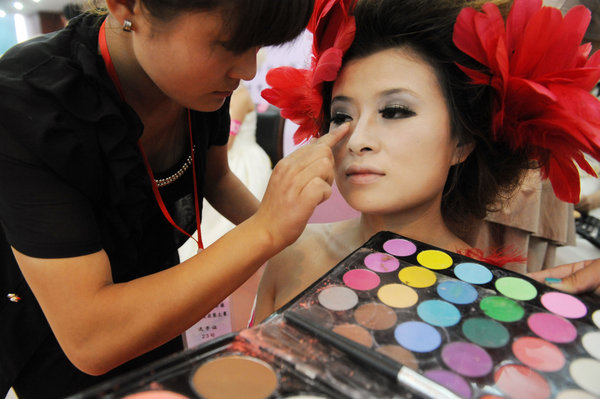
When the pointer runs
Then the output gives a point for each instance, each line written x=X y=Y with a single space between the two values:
x=542 y=77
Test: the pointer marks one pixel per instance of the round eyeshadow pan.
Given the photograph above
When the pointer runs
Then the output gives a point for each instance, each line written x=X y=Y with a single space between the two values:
x=552 y=328
x=585 y=373
x=467 y=359
x=400 y=355
x=452 y=381
x=596 y=318
x=591 y=343
x=417 y=336
x=361 y=279
x=473 y=273
x=485 y=332
x=501 y=308
x=538 y=354
x=399 y=247
x=338 y=298
x=438 y=313
x=155 y=395
x=381 y=262
x=417 y=276
x=375 y=316
x=397 y=295
x=516 y=288
x=434 y=259
x=355 y=333
x=521 y=382
x=563 y=304
x=234 y=377
x=457 y=292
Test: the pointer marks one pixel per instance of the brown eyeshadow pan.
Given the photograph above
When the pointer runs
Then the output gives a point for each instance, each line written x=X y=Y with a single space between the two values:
x=234 y=376
x=375 y=316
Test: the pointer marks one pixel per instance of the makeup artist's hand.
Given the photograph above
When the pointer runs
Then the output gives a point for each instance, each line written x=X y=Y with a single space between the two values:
x=299 y=183
x=578 y=277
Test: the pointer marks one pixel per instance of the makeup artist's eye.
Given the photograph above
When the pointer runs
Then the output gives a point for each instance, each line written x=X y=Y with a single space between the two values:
x=337 y=118
x=396 y=112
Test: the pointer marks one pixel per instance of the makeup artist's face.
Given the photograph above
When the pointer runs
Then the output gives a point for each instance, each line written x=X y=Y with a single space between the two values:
x=399 y=150
x=187 y=60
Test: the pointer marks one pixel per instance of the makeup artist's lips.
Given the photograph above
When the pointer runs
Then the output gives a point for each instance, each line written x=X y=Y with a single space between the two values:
x=363 y=174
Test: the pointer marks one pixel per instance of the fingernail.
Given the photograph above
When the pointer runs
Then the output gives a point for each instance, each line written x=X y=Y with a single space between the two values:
x=552 y=280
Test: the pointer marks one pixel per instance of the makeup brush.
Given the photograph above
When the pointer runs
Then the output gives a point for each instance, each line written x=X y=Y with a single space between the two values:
x=403 y=375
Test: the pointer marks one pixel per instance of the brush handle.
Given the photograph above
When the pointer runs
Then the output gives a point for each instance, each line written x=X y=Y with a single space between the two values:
x=384 y=365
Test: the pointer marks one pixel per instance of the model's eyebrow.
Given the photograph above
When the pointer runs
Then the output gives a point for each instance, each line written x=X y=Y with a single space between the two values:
x=383 y=94
x=340 y=99
x=394 y=91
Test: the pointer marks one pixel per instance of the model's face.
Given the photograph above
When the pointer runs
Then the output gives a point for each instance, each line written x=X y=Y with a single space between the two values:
x=399 y=150
x=187 y=60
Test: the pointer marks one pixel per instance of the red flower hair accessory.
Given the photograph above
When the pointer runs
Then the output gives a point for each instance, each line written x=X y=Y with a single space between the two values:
x=298 y=92
x=542 y=78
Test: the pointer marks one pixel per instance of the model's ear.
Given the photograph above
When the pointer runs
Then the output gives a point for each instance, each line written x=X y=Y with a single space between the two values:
x=462 y=151
x=121 y=9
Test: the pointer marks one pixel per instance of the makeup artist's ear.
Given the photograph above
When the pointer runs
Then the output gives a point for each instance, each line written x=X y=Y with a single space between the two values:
x=121 y=9
x=462 y=151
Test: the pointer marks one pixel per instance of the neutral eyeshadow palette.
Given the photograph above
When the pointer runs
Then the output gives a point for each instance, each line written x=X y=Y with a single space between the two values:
x=458 y=327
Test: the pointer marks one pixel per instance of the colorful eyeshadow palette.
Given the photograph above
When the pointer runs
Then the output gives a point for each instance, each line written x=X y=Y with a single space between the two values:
x=441 y=325
x=234 y=367
x=479 y=330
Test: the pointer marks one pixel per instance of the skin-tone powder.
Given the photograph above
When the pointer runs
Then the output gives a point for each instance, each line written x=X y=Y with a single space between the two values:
x=375 y=316
x=234 y=377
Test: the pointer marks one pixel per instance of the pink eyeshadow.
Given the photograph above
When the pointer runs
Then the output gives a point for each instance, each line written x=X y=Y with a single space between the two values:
x=361 y=279
x=564 y=305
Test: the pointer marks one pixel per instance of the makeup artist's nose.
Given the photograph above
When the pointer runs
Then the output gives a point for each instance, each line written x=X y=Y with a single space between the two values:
x=245 y=65
x=361 y=139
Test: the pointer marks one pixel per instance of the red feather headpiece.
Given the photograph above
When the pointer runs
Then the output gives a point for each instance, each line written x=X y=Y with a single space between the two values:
x=298 y=92
x=542 y=78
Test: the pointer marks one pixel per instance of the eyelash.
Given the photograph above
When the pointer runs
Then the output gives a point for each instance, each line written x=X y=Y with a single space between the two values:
x=388 y=112
x=396 y=112
x=338 y=118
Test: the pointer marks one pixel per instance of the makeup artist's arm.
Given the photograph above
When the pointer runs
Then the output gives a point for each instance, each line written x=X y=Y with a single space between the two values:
x=578 y=277
x=224 y=191
x=101 y=325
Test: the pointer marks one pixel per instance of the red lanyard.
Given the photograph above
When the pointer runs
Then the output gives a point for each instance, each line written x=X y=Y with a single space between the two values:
x=115 y=78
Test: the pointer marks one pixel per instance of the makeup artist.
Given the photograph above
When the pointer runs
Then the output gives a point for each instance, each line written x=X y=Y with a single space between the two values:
x=112 y=131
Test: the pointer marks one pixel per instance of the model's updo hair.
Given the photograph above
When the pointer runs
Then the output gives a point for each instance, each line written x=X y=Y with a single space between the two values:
x=425 y=27
x=248 y=23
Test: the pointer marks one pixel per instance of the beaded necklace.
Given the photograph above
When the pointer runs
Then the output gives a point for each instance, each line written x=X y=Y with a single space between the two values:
x=163 y=182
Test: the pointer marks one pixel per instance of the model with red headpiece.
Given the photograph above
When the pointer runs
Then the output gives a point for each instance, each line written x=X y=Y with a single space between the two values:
x=448 y=103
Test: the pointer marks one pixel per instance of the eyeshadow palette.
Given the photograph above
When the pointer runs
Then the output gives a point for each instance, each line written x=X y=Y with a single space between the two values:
x=453 y=325
x=479 y=330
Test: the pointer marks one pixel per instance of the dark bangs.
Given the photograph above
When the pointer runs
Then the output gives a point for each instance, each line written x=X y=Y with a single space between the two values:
x=254 y=23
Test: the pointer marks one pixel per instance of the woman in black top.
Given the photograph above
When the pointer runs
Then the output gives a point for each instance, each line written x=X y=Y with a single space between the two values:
x=111 y=131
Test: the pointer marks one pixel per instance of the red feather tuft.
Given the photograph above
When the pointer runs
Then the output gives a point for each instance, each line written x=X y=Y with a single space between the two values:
x=543 y=78
x=297 y=92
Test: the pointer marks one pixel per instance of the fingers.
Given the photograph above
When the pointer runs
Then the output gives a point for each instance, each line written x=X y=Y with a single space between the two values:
x=573 y=278
x=557 y=272
x=334 y=136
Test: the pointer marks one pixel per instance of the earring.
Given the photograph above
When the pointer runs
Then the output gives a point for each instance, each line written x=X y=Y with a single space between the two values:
x=127 y=25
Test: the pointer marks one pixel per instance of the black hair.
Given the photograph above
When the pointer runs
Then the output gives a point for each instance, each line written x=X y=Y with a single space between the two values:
x=249 y=23
x=425 y=28
x=71 y=10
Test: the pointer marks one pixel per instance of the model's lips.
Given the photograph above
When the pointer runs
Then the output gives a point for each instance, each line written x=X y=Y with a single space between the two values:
x=363 y=174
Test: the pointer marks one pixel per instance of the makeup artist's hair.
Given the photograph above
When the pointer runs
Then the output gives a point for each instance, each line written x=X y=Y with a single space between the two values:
x=249 y=23
x=425 y=27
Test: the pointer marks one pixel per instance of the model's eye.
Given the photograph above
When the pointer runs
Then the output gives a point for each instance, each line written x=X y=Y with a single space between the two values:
x=338 y=118
x=396 y=112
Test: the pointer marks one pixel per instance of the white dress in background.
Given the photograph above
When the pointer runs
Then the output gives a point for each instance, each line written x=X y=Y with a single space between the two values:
x=251 y=164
